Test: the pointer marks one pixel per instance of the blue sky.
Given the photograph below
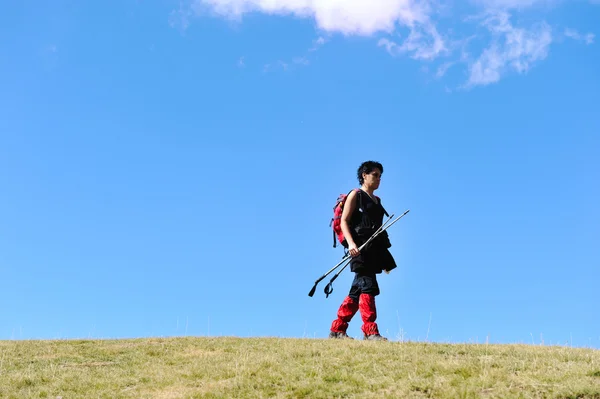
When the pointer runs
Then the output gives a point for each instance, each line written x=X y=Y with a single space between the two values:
x=169 y=168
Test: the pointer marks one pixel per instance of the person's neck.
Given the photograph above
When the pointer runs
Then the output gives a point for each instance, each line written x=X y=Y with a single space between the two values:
x=368 y=190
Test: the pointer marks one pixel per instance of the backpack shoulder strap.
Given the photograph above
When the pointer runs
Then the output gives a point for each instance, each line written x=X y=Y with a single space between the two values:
x=384 y=211
x=360 y=199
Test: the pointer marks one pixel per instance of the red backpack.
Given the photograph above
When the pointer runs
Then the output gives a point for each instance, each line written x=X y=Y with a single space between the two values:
x=336 y=221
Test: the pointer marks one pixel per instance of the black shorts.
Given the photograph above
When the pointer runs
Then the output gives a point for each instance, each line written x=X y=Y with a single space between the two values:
x=363 y=284
x=373 y=261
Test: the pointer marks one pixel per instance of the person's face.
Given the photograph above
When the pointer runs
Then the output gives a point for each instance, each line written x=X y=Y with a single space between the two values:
x=372 y=179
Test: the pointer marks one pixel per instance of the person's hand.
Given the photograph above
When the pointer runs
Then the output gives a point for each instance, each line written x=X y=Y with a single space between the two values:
x=387 y=271
x=353 y=250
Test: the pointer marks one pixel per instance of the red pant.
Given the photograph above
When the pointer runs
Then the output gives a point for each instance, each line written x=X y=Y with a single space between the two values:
x=349 y=308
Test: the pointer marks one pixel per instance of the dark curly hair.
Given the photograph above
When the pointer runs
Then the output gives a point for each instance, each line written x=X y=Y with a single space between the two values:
x=367 y=167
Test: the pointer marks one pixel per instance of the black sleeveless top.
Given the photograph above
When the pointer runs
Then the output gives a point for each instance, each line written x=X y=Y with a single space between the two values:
x=366 y=219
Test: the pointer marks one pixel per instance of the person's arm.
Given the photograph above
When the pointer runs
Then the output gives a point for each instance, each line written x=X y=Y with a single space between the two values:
x=347 y=212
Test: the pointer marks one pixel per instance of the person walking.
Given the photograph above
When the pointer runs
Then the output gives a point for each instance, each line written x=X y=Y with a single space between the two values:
x=362 y=215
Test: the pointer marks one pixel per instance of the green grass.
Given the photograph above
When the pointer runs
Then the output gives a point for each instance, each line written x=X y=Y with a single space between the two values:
x=292 y=368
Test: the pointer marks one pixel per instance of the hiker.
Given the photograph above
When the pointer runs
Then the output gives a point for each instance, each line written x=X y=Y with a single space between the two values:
x=361 y=216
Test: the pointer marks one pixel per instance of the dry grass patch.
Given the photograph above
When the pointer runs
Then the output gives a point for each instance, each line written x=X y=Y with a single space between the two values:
x=292 y=368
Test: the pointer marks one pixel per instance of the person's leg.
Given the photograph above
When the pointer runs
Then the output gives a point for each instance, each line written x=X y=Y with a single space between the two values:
x=345 y=312
x=368 y=309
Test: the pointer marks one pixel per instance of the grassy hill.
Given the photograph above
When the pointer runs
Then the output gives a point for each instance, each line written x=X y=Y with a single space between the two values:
x=292 y=368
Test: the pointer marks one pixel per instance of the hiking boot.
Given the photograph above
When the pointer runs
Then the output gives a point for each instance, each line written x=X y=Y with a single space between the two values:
x=339 y=335
x=374 y=337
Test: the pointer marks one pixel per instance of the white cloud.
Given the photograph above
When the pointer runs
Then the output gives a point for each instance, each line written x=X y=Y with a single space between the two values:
x=279 y=64
x=349 y=17
x=298 y=61
x=588 y=38
x=318 y=43
x=425 y=43
x=286 y=66
x=301 y=61
x=242 y=62
x=512 y=48
x=513 y=4
x=180 y=18
x=442 y=69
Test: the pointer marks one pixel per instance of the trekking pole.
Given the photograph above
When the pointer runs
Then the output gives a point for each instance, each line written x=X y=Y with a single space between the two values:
x=329 y=287
x=312 y=291
x=347 y=257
